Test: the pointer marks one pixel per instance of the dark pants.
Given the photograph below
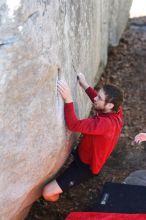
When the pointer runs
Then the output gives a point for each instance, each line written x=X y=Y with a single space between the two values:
x=76 y=173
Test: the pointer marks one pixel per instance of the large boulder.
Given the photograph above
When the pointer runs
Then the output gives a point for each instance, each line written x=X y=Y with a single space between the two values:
x=36 y=38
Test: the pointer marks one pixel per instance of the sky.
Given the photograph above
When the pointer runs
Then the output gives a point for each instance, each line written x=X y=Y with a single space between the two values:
x=138 y=8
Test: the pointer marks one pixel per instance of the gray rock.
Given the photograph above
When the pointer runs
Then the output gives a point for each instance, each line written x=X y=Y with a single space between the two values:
x=136 y=178
x=35 y=38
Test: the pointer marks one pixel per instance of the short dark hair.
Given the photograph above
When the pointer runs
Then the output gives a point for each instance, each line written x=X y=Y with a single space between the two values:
x=113 y=95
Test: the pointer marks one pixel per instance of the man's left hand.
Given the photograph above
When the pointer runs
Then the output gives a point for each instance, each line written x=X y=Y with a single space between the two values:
x=64 y=90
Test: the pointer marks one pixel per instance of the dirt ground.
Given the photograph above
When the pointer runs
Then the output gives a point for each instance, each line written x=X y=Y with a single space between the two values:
x=126 y=68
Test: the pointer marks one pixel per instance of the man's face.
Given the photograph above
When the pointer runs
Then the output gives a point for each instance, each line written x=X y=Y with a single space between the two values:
x=99 y=101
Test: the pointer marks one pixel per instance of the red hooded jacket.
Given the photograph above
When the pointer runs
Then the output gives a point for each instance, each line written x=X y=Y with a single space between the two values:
x=100 y=133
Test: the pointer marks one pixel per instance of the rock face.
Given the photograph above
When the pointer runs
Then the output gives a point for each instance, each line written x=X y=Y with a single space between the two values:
x=137 y=177
x=35 y=38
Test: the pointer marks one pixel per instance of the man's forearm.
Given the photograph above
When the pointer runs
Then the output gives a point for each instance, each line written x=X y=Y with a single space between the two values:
x=92 y=93
x=85 y=86
x=68 y=100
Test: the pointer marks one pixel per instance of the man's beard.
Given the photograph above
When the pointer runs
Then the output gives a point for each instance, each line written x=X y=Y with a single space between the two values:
x=98 y=110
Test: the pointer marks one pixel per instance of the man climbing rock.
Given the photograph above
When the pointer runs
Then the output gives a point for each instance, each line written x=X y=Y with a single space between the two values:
x=100 y=135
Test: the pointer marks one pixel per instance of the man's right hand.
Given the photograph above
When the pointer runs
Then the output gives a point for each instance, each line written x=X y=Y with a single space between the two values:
x=82 y=81
x=140 y=138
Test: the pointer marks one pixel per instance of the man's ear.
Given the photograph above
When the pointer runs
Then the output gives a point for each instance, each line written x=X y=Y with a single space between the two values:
x=110 y=105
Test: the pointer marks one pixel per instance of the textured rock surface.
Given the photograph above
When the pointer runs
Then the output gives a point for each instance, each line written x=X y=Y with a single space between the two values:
x=36 y=37
x=136 y=178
